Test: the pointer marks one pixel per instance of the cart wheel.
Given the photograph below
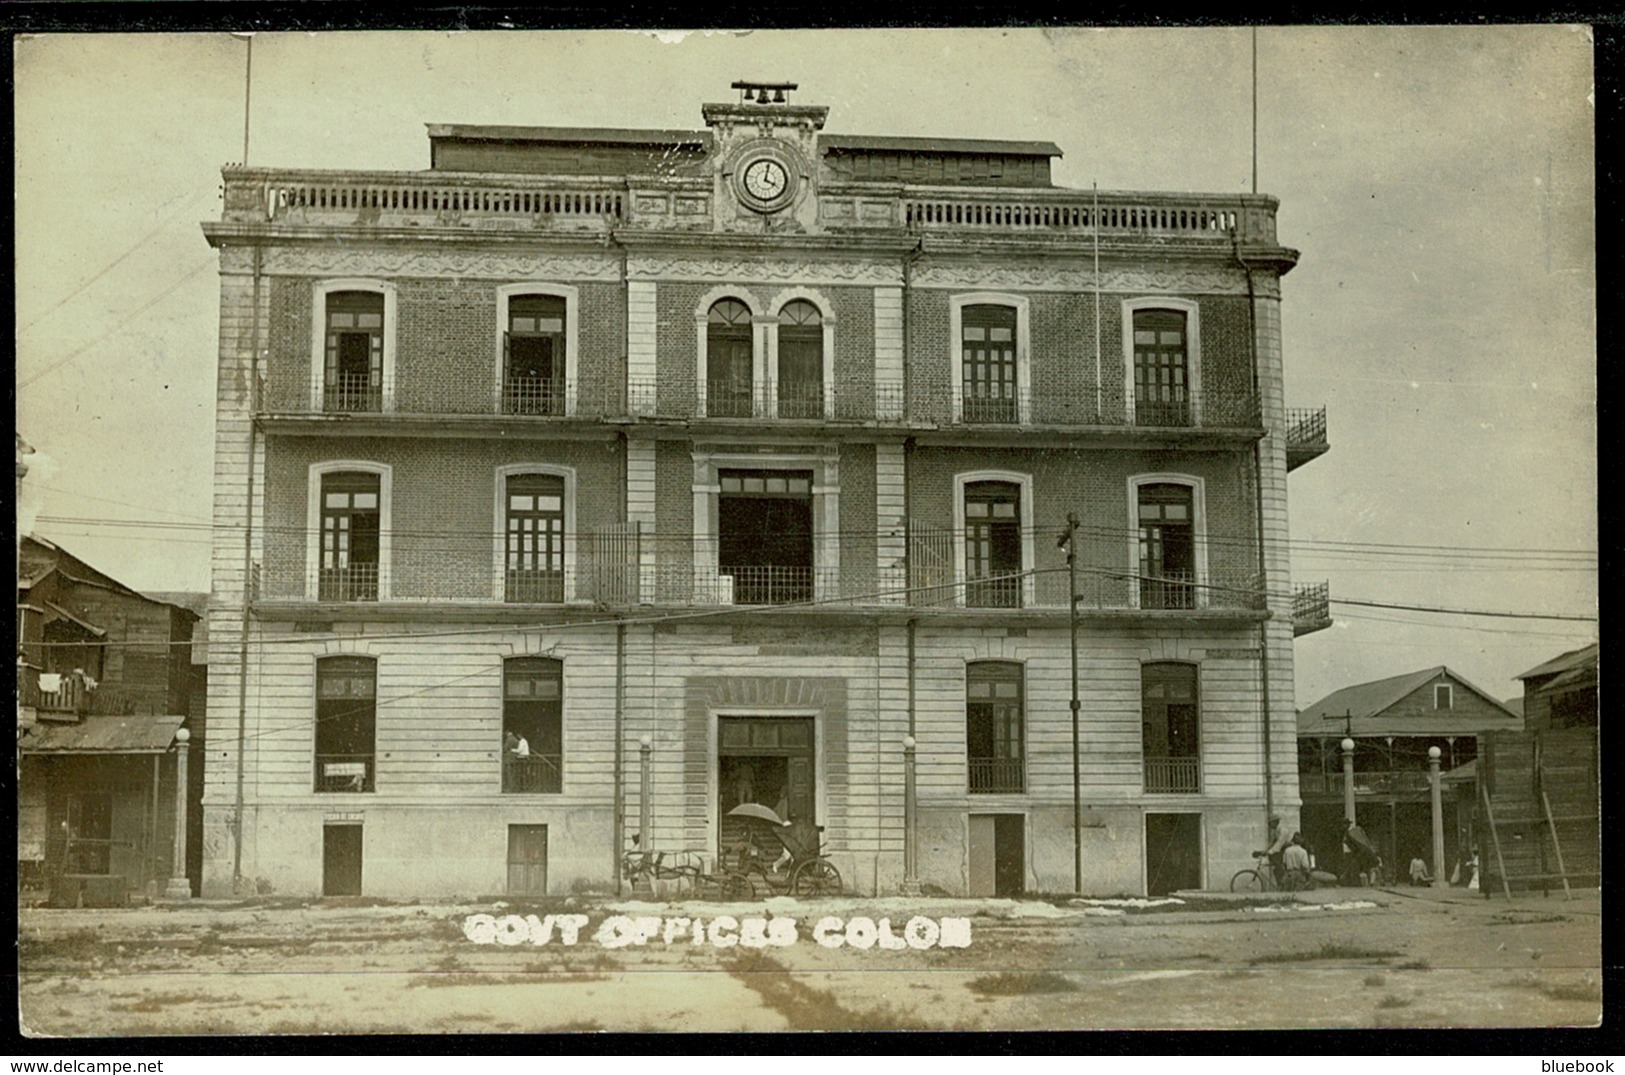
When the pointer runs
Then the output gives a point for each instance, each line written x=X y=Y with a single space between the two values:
x=736 y=886
x=1247 y=881
x=816 y=878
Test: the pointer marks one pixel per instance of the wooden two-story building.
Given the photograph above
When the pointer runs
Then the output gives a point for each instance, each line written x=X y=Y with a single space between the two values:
x=105 y=682
x=719 y=462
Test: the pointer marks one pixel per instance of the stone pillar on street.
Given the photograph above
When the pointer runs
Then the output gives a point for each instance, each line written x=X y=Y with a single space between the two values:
x=179 y=888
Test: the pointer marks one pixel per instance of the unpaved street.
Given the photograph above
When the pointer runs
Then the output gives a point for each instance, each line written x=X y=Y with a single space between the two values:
x=1387 y=958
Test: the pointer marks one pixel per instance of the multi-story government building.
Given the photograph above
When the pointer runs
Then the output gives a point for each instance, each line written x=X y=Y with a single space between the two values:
x=719 y=463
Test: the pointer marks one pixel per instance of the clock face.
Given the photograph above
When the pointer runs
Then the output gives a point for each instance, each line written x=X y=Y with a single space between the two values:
x=766 y=179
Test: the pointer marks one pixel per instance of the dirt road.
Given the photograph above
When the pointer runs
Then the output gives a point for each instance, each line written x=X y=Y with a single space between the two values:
x=1393 y=958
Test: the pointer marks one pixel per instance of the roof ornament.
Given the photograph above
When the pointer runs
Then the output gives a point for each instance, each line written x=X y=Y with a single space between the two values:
x=763 y=93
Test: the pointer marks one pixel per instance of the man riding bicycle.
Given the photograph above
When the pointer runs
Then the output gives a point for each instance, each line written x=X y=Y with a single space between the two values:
x=1280 y=839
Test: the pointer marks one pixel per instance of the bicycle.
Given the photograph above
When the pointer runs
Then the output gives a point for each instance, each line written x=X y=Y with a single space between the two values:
x=1261 y=878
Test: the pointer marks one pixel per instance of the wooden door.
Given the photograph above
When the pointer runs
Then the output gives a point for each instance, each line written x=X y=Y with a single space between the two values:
x=527 y=860
x=341 y=860
x=983 y=843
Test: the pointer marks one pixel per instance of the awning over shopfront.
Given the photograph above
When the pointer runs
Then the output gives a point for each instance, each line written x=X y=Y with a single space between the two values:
x=102 y=735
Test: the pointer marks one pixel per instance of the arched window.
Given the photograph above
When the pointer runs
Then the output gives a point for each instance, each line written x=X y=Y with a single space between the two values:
x=353 y=351
x=801 y=361
x=534 y=358
x=988 y=363
x=532 y=725
x=1162 y=388
x=346 y=723
x=728 y=360
x=993 y=544
x=1167 y=517
x=995 y=727
x=1170 y=728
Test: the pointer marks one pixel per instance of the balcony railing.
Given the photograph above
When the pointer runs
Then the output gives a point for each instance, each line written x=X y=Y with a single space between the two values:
x=1305 y=435
x=352 y=394
x=535 y=587
x=71 y=694
x=344 y=772
x=533 y=774
x=766 y=585
x=1311 y=608
x=626 y=565
x=1173 y=776
x=992 y=776
x=533 y=395
x=357 y=582
x=1386 y=782
x=885 y=402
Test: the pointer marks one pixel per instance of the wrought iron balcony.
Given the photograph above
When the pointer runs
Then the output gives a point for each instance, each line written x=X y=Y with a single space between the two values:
x=993 y=776
x=1305 y=435
x=352 y=394
x=1311 y=608
x=357 y=582
x=533 y=395
x=534 y=587
x=344 y=772
x=532 y=774
x=1172 y=776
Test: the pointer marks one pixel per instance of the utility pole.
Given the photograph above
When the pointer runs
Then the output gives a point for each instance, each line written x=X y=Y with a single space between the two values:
x=1068 y=540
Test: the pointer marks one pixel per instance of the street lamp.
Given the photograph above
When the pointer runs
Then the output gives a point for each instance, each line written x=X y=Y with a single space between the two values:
x=1069 y=541
x=1348 y=778
x=911 y=881
x=179 y=888
x=1439 y=880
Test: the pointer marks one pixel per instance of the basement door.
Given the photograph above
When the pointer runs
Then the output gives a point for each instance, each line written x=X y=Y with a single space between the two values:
x=1173 y=853
x=527 y=860
x=768 y=761
x=998 y=854
x=341 y=860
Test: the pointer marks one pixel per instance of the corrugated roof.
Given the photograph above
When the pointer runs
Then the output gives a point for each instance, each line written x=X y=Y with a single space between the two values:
x=1365 y=701
x=102 y=735
x=601 y=135
x=1572 y=659
x=939 y=145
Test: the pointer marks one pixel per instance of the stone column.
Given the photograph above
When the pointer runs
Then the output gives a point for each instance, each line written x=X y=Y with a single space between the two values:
x=179 y=887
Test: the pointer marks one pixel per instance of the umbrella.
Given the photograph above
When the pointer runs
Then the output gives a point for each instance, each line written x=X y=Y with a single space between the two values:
x=758 y=811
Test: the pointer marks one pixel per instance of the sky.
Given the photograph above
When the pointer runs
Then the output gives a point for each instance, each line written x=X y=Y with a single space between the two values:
x=1437 y=181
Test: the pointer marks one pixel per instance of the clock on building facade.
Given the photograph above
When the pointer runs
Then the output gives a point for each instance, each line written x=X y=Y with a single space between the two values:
x=766 y=176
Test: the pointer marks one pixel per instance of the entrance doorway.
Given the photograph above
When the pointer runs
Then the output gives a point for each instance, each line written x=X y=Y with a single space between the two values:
x=341 y=860
x=767 y=761
x=998 y=854
x=527 y=860
x=1173 y=853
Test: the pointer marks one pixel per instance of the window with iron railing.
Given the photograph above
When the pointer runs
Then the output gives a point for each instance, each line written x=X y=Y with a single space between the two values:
x=354 y=372
x=1167 y=546
x=765 y=535
x=988 y=366
x=994 y=731
x=534 y=542
x=801 y=361
x=1162 y=390
x=350 y=520
x=729 y=361
x=1170 y=726
x=534 y=359
x=993 y=545
x=532 y=726
x=346 y=712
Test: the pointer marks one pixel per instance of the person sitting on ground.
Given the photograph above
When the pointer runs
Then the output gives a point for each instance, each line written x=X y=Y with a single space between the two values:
x=1419 y=873
x=1295 y=861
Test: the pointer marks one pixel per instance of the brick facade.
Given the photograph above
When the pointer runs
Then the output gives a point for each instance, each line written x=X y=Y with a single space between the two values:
x=640 y=446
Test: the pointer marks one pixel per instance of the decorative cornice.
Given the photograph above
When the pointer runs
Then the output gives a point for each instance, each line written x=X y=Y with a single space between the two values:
x=1171 y=280
x=353 y=261
x=751 y=270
